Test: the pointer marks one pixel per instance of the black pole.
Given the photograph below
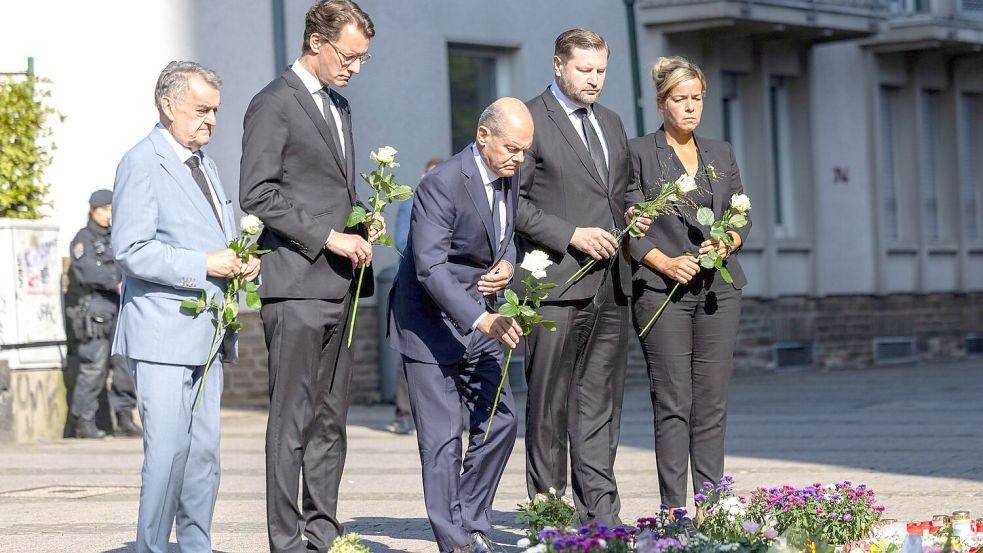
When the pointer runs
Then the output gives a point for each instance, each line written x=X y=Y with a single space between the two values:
x=636 y=79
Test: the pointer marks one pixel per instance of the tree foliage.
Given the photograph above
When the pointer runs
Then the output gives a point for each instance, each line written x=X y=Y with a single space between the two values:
x=25 y=148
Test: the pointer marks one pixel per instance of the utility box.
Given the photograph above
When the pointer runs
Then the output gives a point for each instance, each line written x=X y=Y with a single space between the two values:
x=32 y=325
x=32 y=328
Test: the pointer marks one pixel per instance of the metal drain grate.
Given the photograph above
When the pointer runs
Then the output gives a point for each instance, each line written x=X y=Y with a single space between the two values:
x=62 y=492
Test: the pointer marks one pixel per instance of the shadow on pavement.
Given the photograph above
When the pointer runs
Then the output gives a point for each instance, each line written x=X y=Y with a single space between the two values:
x=131 y=546
x=419 y=529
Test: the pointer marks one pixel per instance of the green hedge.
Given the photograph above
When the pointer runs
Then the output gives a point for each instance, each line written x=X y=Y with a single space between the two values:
x=25 y=151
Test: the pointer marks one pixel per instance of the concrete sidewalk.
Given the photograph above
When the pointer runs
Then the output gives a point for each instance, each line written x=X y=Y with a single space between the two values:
x=914 y=434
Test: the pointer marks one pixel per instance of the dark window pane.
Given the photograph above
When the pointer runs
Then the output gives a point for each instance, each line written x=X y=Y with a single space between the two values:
x=473 y=87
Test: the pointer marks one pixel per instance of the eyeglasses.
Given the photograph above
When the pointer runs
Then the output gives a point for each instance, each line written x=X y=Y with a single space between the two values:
x=348 y=59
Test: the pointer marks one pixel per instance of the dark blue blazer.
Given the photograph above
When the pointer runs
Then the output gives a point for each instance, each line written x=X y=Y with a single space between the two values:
x=435 y=298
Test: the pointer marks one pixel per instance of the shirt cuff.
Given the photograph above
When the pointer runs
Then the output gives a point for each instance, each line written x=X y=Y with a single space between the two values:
x=330 y=234
x=474 y=325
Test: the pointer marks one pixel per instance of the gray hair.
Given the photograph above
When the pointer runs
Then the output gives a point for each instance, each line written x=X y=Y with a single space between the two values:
x=173 y=80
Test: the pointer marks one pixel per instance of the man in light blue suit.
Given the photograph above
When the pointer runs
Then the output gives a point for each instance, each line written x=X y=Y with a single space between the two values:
x=172 y=227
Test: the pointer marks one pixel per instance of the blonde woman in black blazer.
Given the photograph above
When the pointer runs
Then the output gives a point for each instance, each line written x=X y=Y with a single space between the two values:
x=690 y=349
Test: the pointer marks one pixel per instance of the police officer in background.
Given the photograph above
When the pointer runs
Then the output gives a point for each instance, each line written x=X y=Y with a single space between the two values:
x=93 y=301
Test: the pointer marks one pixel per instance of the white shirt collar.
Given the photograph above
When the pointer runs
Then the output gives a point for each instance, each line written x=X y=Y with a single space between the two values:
x=183 y=152
x=310 y=81
x=568 y=106
x=487 y=175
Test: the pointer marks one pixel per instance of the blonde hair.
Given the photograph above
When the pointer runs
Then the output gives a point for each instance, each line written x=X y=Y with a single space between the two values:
x=667 y=73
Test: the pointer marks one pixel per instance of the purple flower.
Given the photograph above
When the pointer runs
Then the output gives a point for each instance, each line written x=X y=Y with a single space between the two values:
x=770 y=534
x=664 y=507
x=699 y=497
x=708 y=485
x=847 y=517
x=750 y=527
x=679 y=513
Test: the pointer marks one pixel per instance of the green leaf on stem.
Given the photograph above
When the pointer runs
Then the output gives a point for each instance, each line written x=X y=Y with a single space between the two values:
x=707 y=261
x=253 y=301
x=726 y=274
x=549 y=325
x=527 y=311
x=738 y=220
x=400 y=193
x=508 y=310
x=512 y=297
x=357 y=216
x=705 y=216
x=717 y=232
x=194 y=305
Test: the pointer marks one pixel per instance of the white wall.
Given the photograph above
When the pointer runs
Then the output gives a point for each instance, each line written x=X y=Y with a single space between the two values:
x=844 y=211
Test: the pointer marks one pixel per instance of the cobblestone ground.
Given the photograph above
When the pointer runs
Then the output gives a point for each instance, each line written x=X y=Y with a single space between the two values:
x=914 y=434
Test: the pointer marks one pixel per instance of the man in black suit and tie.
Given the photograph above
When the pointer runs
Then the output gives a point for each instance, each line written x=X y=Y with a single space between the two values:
x=442 y=319
x=575 y=194
x=297 y=175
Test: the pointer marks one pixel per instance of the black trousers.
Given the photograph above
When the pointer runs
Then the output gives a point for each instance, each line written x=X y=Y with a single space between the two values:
x=310 y=390
x=459 y=492
x=690 y=357
x=94 y=365
x=576 y=381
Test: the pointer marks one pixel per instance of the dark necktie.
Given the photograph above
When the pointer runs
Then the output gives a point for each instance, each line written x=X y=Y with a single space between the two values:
x=326 y=103
x=593 y=144
x=498 y=196
x=194 y=162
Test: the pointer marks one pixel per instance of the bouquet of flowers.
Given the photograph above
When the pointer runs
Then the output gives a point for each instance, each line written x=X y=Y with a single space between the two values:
x=387 y=191
x=546 y=510
x=226 y=314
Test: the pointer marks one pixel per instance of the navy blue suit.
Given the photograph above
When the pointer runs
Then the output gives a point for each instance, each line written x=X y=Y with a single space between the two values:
x=433 y=304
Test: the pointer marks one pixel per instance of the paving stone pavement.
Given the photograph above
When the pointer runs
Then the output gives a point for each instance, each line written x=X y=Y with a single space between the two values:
x=913 y=433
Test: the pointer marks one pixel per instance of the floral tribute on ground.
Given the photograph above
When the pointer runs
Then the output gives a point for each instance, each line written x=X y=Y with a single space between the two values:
x=831 y=518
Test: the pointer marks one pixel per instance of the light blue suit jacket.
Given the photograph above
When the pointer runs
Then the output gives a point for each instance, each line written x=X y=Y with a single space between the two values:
x=163 y=227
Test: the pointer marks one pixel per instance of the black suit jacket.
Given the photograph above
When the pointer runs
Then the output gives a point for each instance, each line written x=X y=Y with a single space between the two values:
x=435 y=298
x=294 y=179
x=674 y=235
x=560 y=190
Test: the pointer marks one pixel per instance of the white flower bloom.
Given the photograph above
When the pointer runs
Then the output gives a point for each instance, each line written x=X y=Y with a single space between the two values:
x=540 y=497
x=740 y=202
x=686 y=183
x=552 y=490
x=524 y=543
x=385 y=156
x=536 y=263
x=250 y=224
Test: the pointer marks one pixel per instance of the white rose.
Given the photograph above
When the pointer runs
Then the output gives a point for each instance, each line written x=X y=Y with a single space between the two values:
x=740 y=202
x=385 y=156
x=536 y=263
x=552 y=490
x=250 y=224
x=524 y=543
x=686 y=183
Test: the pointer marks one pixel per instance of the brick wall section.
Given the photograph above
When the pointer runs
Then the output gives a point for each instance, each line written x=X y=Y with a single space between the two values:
x=247 y=383
x=841 y=329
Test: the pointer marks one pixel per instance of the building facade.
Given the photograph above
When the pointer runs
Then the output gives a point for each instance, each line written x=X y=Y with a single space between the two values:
x=855 y=122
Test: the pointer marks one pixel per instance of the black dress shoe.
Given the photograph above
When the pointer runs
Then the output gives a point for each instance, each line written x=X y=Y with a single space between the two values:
x=126 y=426
x=481 y=544
x=86 y=429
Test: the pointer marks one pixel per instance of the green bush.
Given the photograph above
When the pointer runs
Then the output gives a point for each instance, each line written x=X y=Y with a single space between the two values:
x=25 y=151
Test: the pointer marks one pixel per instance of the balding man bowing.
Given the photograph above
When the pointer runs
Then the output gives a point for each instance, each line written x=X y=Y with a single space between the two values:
x=460 y=253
